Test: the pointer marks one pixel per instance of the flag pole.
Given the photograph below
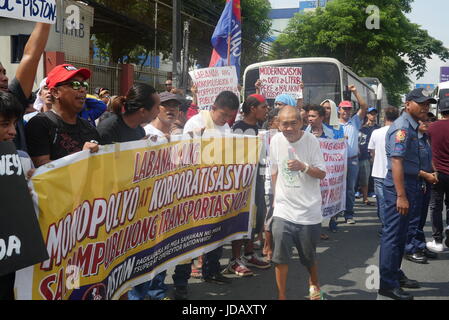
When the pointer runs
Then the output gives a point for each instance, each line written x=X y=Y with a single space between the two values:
x=229 y=49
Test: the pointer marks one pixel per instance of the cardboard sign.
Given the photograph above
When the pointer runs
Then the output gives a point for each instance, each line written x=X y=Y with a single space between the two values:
x=21 y=242
x=211 y=82
x=30 y=10
x=280 y=80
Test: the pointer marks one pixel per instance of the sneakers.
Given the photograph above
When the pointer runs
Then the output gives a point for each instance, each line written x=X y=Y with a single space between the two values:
x=435 y=246
x=350 y=221
x=315 y=293
x=238 y=267
x=218 y=278
x=254 y=260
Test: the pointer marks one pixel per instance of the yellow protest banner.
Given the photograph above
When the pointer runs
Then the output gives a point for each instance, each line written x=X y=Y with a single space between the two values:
x=115 y=219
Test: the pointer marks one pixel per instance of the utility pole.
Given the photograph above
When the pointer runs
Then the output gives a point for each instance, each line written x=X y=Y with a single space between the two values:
x=185 y=56
x=175 y=41
x=155 y=44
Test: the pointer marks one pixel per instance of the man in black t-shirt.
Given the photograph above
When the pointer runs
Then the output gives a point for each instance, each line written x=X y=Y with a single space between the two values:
x=22 y=85
x=60 y=132
x=254 y=110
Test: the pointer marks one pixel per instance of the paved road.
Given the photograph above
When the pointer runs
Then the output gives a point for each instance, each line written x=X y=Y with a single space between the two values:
x=343 y=262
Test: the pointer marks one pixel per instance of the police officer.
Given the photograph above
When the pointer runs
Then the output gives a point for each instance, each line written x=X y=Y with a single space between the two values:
x=403 y=193
x=415 y=248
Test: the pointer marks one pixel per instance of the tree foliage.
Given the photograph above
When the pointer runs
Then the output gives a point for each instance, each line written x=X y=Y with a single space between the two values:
x=122 y=44
x=390 y=53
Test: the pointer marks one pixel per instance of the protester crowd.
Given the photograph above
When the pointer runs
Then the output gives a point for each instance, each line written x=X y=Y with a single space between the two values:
x=407 y=159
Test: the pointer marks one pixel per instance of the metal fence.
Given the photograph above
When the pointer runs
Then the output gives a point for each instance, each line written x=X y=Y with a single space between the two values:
x=151 y=76
x=104 y=76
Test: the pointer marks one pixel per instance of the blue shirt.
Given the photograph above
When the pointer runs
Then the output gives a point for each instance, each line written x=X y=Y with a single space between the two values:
x=425 y=153
x=402 y=141
x=351 y=130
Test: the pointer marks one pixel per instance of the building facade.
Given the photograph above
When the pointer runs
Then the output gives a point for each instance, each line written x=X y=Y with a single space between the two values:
x=283 y=10
x=72 y=42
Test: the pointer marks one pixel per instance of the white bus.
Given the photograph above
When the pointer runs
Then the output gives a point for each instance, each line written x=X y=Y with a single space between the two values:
x=441 y=92
x=323 y=78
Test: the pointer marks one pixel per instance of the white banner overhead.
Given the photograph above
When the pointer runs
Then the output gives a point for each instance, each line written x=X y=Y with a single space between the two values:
x=30 y=10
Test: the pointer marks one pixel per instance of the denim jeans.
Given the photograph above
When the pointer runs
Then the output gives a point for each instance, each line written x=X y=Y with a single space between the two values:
x=379 y=191
x=351 y=179
x=154 y=289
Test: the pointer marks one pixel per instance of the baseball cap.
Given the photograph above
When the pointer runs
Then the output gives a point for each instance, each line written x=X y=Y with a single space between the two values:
x=372 y=109
x=420 y=95
x=345 y=104
x=166 y=96
x=259 y=97
x=64 y=72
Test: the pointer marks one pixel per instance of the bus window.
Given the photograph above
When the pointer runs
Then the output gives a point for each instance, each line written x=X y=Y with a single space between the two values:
x=321 y=82
x=444 y=94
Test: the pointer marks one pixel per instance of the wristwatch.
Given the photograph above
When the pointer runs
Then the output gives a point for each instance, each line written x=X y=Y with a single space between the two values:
x=306 y=168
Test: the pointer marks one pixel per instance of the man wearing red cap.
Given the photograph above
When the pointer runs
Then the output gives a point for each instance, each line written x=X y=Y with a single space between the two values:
x=351 y=127
x=60 y=132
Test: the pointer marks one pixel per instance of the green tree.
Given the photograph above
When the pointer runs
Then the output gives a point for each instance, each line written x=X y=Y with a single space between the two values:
x=389 y=53
x=119 y=44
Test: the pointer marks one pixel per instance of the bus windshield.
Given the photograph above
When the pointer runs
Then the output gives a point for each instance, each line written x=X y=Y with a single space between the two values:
x=321 y=81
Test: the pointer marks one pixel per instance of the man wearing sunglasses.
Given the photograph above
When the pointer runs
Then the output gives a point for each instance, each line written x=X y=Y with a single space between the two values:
x=60 y=132
x=351 y=126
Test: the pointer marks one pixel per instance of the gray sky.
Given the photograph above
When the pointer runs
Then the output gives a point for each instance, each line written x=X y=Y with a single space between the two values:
x=430 y=14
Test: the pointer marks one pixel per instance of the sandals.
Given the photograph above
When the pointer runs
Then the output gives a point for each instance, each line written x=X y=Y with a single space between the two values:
x=197 y=272
x=315 y=293
x=368 y=203
x=324 y=236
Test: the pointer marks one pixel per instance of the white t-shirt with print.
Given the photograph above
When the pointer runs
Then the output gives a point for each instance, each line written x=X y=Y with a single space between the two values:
x=151 y=130
x=297 y=195
x=197 y=122
x=377 y=143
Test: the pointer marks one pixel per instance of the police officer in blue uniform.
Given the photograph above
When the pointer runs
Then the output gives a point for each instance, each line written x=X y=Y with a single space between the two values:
x=415 y=248
x=403 y=193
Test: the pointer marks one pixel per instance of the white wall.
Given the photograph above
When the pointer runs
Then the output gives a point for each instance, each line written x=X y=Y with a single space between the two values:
x=284 y=4
x=72 y=43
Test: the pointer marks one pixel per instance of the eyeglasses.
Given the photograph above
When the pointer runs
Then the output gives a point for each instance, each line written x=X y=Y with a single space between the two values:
x=76 y=85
